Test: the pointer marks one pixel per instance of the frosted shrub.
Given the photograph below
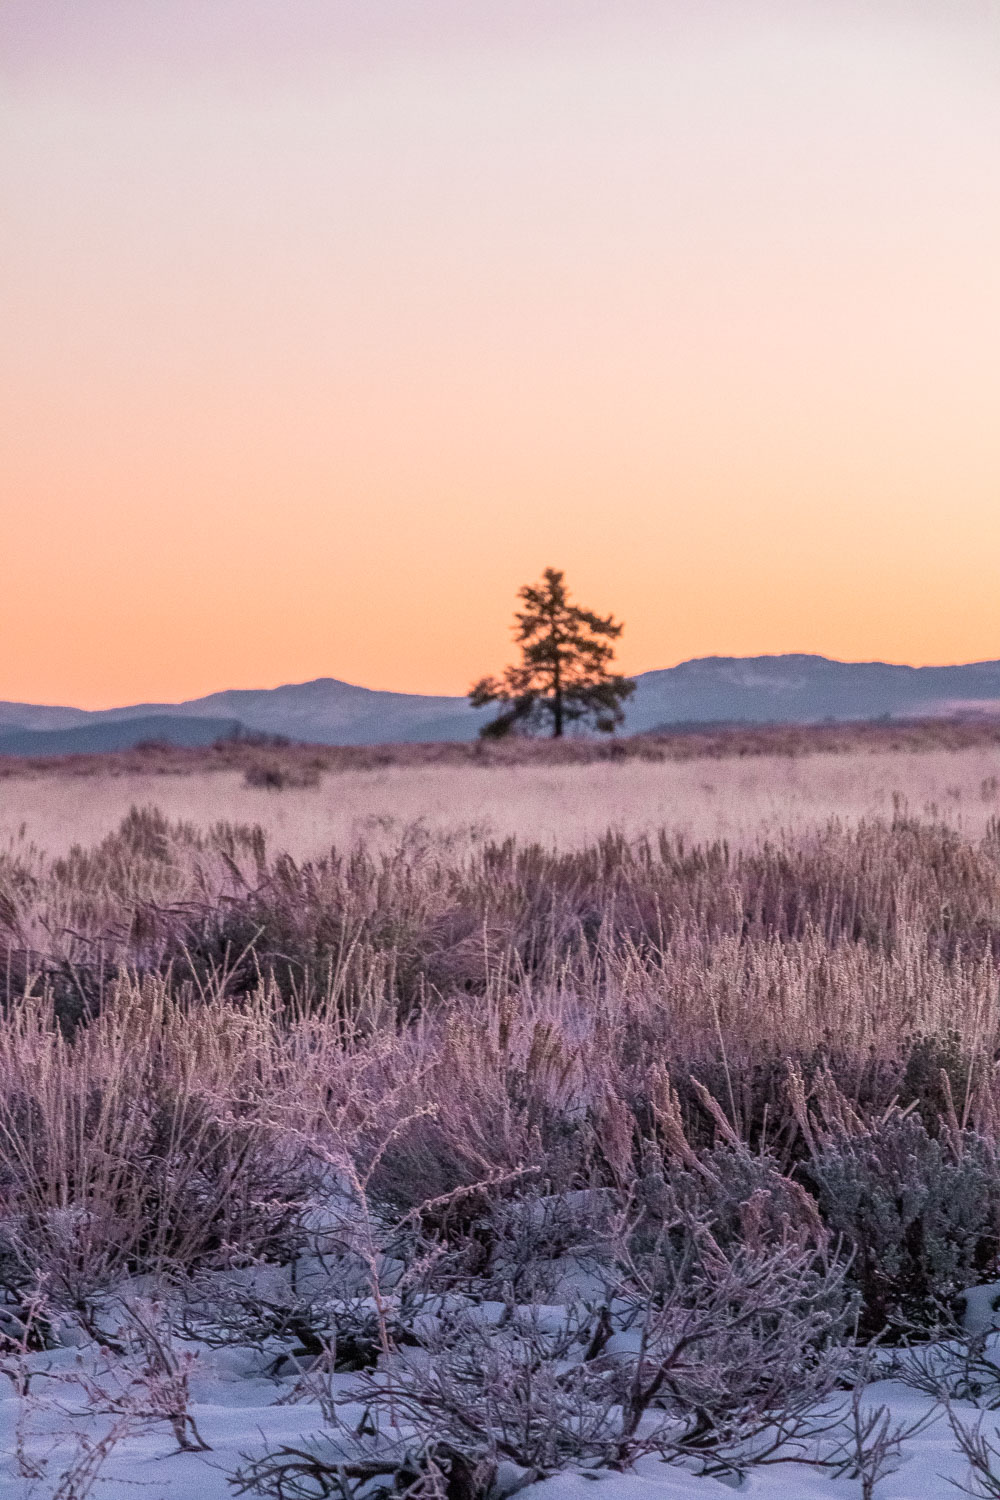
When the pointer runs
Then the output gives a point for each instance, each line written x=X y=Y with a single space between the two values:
x=698 y=1353
x=743 y=1309
x=921 y=1214
x=742 y=1196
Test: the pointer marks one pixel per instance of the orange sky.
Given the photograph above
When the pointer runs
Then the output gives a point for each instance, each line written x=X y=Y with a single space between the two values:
x=326 y=325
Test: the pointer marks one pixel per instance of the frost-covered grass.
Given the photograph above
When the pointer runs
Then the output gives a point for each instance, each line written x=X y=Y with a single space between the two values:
x=532 y=793
x=447 y=1164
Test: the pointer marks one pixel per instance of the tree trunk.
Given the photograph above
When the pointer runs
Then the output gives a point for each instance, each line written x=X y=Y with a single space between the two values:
x=557 y=699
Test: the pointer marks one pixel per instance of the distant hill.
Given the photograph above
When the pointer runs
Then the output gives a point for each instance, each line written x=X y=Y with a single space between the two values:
x=328 y=712
x=123 y=734
x=323 y=712
x=803 y=689
x=31 y=716
x=795 y=689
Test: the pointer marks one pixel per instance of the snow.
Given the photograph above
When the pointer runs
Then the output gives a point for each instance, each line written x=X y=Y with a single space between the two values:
x=981 y=1312
x=245 y=1400
x=233 y=1415
x=240 y=1411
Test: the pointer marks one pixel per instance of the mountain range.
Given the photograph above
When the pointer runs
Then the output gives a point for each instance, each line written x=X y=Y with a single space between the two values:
x=798 y=689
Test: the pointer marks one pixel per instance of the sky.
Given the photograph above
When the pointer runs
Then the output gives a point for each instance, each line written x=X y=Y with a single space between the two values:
x=326 y=324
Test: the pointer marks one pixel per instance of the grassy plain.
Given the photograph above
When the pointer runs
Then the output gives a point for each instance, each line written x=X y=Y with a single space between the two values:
x=741 y=786
x=710 y=1024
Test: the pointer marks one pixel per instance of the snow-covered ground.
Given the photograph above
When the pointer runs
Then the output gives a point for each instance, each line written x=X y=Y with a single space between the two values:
x=52 y=1437
x=235 y=1412
x=239 y=1413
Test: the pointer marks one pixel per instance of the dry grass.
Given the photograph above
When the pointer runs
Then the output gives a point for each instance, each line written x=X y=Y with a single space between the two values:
x=535 y=794
x=543 y=969
x=682 y=743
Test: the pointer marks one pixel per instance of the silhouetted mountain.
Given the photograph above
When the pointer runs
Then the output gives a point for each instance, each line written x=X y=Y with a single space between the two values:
x=714 y=689
x=328 y=712
x=118 y=734
x=807 y=689
x=33 y=716
x=324 y=712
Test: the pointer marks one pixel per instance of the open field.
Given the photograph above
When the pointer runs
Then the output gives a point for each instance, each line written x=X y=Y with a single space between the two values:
x=453 y=1125
x=740 y=786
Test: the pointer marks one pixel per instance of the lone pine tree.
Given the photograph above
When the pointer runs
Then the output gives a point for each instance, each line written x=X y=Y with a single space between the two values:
x=564 y=675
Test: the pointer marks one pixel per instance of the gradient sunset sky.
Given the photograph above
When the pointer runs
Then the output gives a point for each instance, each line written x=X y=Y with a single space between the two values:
x=325 y=324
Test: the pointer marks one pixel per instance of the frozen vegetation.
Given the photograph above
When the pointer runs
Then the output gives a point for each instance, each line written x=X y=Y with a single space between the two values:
x=453 y=1165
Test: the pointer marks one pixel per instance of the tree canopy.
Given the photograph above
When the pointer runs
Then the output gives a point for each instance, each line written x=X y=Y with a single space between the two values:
x=564 y=676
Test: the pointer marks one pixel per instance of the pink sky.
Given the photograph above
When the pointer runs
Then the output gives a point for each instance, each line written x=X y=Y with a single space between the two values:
x=327 y=325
